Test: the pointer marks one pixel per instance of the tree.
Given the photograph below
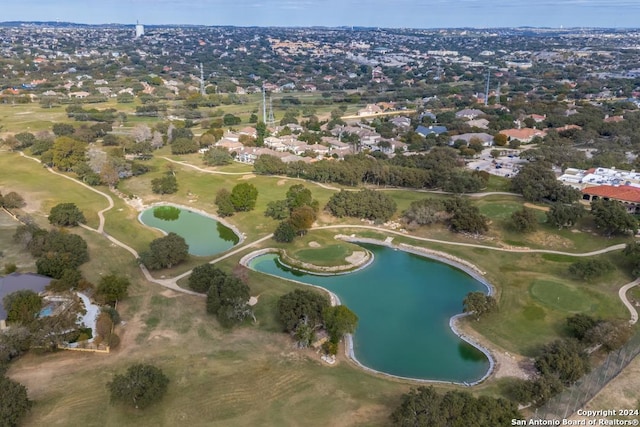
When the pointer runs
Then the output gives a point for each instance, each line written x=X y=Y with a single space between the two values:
x=580 y=324
x=301 y=305
x=339 y=320
x=632 y=253
x=223 y=201
x=244 y=196
x=611 y=334
x=479 y=304
x=167 y=184
x=140 y=387
x=217 y=157
x=611 y=217
x=500 y=139
x=113 y=288
x=22 y=306
x=204 y=276
x=66 y=215
x=184 y=146
x=424 y=212
x=63 y=129
x=536 y=182
x=68 y=152
x=165 y=252
x=277 y=209
x=227 y=298
x=284 y=232
x=562 y=215
x=563 y=358
x=298 y=196
x=12 y=200
x=465 y=217
x=14 y=402
x=302 y=219
x=524 y=220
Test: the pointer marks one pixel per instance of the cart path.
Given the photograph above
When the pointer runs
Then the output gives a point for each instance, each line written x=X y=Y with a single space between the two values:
x=622 y=293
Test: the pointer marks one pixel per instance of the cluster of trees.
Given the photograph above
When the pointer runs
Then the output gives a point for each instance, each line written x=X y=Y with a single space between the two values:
x=537 y=182
x=439 y=168
x=165 y=252
x=426 y=407
x=141 y=386
x=241 y=198
x=58 y=253
x=216 y=156
x=304 y=312
x=459 y=214
x=369 y=204
x=297 y=213
x=563 y=362
x=227 y=295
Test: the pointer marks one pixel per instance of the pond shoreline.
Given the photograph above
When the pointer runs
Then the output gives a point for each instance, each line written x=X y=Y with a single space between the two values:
x=466 y=267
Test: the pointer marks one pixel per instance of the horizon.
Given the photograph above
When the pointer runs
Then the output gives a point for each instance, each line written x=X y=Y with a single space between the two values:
x=151 y=25
x=418 y=14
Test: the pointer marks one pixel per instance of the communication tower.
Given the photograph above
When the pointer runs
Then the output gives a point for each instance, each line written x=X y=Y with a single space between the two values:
x=202 y=91
x=486 y=92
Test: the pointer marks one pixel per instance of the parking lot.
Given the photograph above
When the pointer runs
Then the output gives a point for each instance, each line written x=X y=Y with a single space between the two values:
x=507 y=165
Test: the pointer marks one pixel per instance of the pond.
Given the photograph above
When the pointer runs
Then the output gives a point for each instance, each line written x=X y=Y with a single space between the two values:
x=204 y=235
x=404 y=303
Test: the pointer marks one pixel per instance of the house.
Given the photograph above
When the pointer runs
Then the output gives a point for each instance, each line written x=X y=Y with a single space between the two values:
x=479 y=123
x=19 y=282
x=523 y=135
x=79 y=95
x=424 y=131
x=369 y=110
x=613 y=119
x=401 y=122
x=468 y=113
x=249 y=131
x=538 y=118
x=485 y=138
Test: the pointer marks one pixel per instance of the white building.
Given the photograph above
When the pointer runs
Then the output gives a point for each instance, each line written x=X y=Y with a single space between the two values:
x=139 y=30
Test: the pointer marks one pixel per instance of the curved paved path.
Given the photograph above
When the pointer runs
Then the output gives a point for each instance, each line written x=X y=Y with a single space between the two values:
x=172 y=283
x=622 y=293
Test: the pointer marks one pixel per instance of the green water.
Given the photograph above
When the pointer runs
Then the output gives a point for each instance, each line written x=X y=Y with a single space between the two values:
x=404 y=303
x=205 y=236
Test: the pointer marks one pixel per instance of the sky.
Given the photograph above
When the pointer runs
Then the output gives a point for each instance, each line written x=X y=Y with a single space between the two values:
x=333 y=13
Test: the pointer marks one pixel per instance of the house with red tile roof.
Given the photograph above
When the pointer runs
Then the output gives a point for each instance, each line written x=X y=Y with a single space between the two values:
x=523 y=135
x=628 y=195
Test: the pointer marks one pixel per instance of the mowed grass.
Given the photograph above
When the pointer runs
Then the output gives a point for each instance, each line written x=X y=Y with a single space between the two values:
x=42 y=190
x=321 y=248
x=10 y=252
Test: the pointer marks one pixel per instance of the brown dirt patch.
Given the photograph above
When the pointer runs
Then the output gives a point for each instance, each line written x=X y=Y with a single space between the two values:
x=249 y=176
x=169 y=294
x=281 y=182
x=540 y=208
x=314 y=244
x=549 y=240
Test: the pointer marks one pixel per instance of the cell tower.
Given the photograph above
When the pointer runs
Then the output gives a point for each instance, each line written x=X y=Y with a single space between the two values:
x=268 y=120
x=486 y=92
x=438 y=72
x=271 y=120
x=202 y=91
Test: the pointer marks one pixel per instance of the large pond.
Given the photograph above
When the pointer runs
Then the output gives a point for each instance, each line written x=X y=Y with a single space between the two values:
x=404 y=303
x=204 y=235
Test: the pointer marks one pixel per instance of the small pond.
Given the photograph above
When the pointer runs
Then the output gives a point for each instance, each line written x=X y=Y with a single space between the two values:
x=404 y=303
x=204 y=235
